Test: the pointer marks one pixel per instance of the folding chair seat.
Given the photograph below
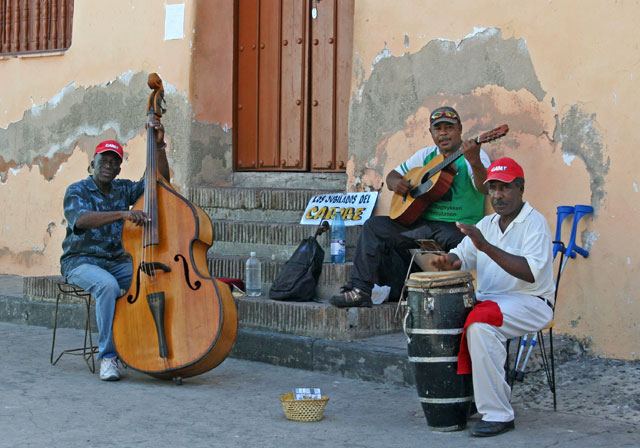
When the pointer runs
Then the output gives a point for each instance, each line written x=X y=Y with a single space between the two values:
x=88 y=350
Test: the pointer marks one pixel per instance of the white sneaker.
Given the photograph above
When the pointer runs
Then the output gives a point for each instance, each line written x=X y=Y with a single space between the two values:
x=109 y=369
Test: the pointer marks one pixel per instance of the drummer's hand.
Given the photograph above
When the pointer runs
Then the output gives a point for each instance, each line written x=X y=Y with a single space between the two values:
x=448 y=262
x=474 y=234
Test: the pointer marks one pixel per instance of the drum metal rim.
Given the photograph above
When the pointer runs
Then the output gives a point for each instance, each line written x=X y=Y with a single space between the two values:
x=445 y=400
x=441 y=291
x=448 y=428
x=419 y=359
x=427 y=283
x=435 y=331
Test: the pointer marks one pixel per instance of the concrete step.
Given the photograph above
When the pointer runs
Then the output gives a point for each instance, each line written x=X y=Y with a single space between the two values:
x=291 y=180
x=268 y=239
x=333 y=276
x=253 y=204
x=310 y=319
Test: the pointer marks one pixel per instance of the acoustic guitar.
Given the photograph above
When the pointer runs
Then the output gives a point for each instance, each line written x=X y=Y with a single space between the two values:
x=432 y=181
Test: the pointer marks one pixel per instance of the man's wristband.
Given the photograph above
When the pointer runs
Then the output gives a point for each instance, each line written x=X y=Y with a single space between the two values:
x=162 y=147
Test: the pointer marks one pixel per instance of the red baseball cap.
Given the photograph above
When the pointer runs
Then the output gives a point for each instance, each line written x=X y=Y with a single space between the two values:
x=109 y=145
x=504 y=170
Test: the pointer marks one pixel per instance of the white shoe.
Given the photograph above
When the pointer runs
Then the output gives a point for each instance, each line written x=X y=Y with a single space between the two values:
x=109 y=369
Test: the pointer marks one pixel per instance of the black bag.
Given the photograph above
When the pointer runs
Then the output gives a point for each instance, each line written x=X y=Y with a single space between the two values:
x=299 y=276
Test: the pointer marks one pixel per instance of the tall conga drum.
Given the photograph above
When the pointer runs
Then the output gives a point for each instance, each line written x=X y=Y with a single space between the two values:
x=437 y=307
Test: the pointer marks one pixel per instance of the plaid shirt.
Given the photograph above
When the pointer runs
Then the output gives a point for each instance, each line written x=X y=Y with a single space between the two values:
x=103 y=244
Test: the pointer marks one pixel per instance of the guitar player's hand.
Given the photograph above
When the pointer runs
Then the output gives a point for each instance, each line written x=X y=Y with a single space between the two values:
x=471 y=151
x=397 y=184
x=448 y=262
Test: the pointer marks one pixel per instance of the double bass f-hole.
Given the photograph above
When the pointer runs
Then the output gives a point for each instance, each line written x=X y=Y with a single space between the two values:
x=185 y=265
x=151 y=268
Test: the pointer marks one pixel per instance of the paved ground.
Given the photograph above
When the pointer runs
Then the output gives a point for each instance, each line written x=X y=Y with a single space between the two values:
x=237 y=405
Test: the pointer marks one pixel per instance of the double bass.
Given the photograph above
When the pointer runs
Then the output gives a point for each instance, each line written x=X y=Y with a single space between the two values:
x=175 y=321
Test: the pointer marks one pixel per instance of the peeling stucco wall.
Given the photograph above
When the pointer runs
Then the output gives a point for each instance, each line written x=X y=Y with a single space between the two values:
x=570 y=107
x=398 y=86
x=97 y=90
x=47 y=135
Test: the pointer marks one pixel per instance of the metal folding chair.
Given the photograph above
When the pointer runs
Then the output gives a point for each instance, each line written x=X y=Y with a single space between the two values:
x=88 y=350
x=529 y=341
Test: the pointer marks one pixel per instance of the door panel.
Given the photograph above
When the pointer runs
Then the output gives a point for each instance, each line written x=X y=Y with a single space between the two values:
x=343 y=71
x=247 y=79
x=293 y=129
x=293 y=77
x=323 y=86
x=269 y=84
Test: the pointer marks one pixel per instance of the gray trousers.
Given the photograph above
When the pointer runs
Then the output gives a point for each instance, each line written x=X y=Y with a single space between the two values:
x=382 y=254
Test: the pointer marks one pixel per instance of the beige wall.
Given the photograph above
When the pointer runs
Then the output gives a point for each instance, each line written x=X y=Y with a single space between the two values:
x=55 y=109
x=563 y=75
x=560 y=73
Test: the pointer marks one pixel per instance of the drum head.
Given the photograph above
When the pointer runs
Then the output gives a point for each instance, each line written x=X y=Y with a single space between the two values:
x=440 y=278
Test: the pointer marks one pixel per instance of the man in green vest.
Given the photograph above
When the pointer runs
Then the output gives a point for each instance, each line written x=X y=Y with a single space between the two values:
x=382 y=253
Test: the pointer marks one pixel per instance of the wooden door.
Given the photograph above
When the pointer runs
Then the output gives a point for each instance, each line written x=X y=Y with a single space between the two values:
x=293 y=74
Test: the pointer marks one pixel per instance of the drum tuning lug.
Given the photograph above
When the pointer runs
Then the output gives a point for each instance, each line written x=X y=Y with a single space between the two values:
x=428 y=304
x=469 y=298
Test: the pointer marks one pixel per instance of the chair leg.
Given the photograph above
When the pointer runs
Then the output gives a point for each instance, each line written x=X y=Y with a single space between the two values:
x=548 y=363
x=553 y=369
x=87 y=350
x=55 y=325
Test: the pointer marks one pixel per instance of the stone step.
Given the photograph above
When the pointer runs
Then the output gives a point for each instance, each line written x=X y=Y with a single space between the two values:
x=253 y=204
x=291 y=180
x=332 y=277
x=270 y=240
x=317 y=319
x=312 y=319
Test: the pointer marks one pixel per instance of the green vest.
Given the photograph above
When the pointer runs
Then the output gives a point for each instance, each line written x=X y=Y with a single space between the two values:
x=462 y=203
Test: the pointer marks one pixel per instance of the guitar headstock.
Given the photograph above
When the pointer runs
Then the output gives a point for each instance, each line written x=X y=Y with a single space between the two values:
x=493 y=134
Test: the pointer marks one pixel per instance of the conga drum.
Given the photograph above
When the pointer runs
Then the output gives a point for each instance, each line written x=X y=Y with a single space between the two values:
x=437 y=307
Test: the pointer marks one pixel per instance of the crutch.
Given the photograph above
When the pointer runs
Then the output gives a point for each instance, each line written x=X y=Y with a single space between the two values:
x=565 y=253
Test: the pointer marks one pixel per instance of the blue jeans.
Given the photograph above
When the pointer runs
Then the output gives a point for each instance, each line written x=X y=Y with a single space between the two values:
x=104 y=283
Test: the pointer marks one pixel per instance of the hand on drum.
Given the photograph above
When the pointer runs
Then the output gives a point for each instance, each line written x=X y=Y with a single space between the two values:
x=447 y=262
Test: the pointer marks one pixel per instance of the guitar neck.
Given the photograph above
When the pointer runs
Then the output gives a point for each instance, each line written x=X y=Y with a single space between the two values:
x=449 y=160
x=445 y=163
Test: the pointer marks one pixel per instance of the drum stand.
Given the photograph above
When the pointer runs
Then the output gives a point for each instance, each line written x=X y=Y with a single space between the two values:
x=425 y=247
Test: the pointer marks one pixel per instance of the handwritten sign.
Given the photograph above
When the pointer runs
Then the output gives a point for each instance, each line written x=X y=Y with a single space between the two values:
x=355 y=208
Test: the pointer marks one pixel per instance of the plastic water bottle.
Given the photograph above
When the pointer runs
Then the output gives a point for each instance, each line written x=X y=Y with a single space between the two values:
x=253 y=276
x=338 y=239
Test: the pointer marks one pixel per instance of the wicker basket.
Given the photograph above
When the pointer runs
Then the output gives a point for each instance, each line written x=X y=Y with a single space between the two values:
x=303 y=410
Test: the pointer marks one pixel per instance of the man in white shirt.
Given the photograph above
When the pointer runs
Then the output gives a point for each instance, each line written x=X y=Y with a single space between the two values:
x=512 y=253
